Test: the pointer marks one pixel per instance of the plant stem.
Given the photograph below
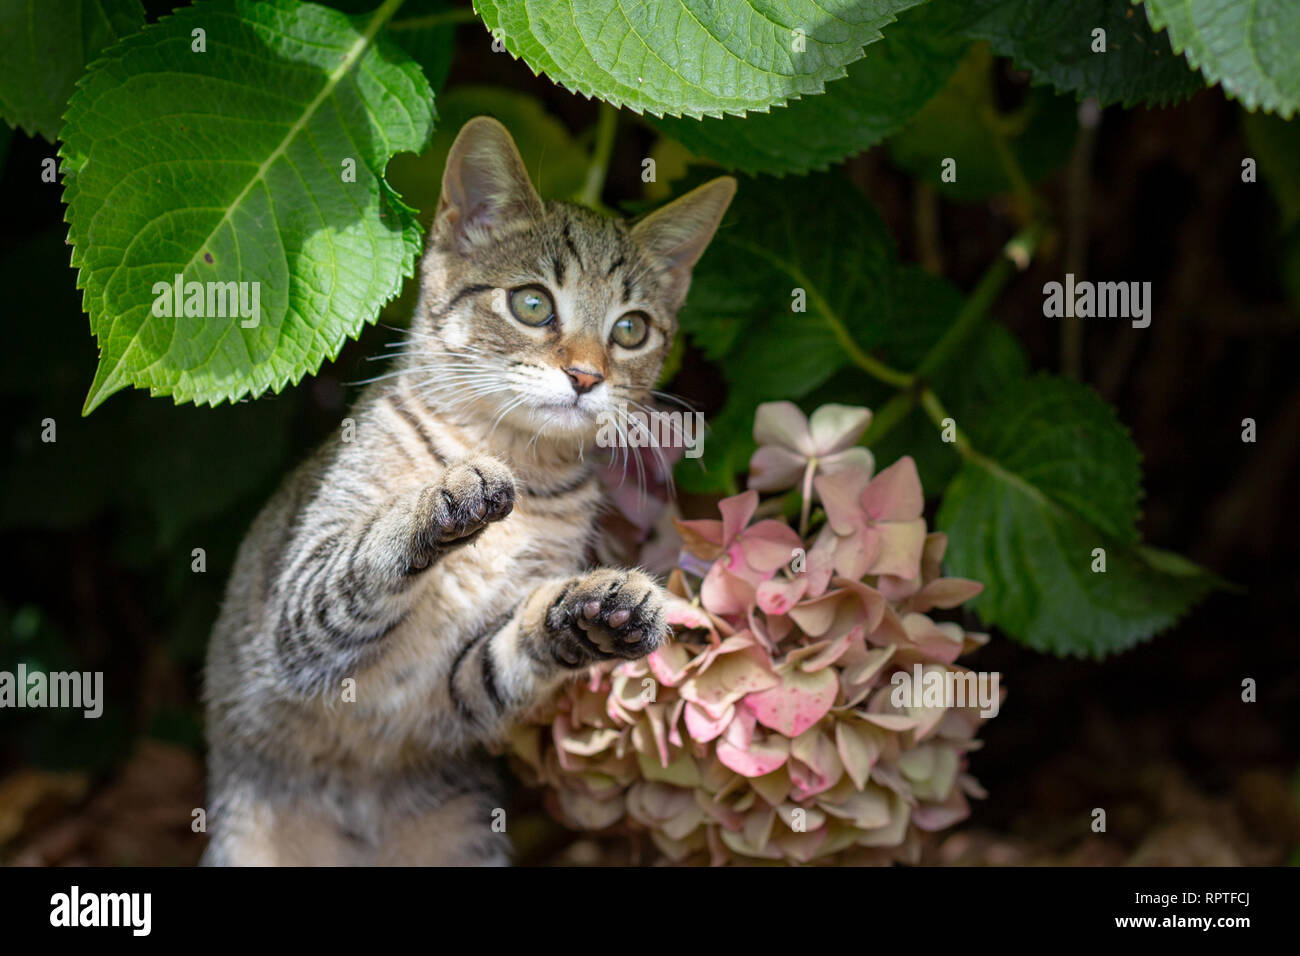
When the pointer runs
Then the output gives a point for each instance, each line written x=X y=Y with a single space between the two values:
x=602 y=150
x=893 y=412
x=805 y=506
x=938 y=414
x=441 y=18
x=1015 y=253
x=926 y=217
x=872 y=366
x=1078 y=181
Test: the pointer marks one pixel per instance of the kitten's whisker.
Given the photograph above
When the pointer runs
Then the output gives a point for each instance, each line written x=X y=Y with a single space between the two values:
x=664 y=469
x=640 y=466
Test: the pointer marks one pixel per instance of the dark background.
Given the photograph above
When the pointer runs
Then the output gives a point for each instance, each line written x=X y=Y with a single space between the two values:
x=97 y=530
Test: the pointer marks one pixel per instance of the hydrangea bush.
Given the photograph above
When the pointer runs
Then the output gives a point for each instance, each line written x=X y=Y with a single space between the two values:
x=765 y=729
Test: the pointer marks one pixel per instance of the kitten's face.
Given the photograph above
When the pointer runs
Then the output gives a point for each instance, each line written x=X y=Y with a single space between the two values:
x=549 y=318
x=568 y=318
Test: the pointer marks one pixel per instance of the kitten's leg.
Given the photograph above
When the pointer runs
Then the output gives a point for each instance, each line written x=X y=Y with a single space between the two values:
x=352 y=584
x=563 y=626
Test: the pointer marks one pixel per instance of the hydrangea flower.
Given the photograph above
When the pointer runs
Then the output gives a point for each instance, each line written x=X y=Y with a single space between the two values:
x=765 y=730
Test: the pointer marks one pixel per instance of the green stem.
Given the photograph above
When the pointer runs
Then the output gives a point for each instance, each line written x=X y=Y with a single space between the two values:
x=872 y=366
x=439 y=19
x=606 y=129
x=938 y=414
x=1017 y=252
x=1020 y=186
x=805 y=506
x=893 y=412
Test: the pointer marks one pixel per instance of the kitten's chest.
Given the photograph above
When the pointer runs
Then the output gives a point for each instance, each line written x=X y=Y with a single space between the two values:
x=538 y=540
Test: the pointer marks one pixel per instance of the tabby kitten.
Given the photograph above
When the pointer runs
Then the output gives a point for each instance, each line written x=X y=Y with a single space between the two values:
x=406 y=595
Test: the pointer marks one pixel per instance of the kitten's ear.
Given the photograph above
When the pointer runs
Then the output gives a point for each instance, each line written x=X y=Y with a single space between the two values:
x=679 y=233
x=485 y=187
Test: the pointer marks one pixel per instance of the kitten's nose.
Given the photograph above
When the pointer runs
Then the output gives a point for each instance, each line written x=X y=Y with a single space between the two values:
x=583 y=381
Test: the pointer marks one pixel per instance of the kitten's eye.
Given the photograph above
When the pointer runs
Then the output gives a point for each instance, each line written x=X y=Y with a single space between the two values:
x=631 y=329
x=532 y=305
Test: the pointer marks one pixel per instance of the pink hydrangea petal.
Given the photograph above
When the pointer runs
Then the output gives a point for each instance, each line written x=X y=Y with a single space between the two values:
x=669 y=664
x=896 y=588
x=841 y=494
x=798 y=702
x=814 y=765
x=834 y=650
x=589 y=813
x=895 y=493
x=821 y=562
x=725 y=593
x=837 y=427
x=769 y=545
x=761 y=758
x=855 y=553
x=800 y=847
x=940 y=816
x=784 y=424
x=859 y=747
x=939 y=642
x=856 y=458
x=944 y=593
x=899 y=551
x=736 y=512
x=773 y=787
x=872 y=600
x=685 y=614
x=780 y=594
x=936 y=546
x=895 y=722
x=833 y=614
x=773 y=468
x=703 y=727
x=739 y=731
x=779 y=627
x=729 y=678
x=701 y=534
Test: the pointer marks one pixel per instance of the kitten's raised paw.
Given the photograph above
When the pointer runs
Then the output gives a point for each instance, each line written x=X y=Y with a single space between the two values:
x=470 y=495
x=604 y=614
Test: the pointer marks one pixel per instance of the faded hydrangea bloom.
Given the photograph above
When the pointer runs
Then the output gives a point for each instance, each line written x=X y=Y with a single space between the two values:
x=765 y=730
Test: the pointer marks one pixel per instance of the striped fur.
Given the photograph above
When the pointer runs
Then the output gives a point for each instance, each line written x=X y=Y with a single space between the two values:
x=408 y=594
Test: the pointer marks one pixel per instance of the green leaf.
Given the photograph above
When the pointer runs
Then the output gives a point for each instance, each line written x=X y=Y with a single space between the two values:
x=993 y=152
x=44 y=49
x=881 y=92
x=229 y=166
x=818 y=234
x=1054 y=42
x=992 y=361
x=555 y=161
x=690 y=57
x=1054 y=478
x=1275 y=146
x=426 y=29
x=1246 y=46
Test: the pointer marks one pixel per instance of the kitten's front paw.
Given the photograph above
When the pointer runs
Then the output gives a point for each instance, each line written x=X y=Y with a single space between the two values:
x=607 y=613
x=470 y=495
